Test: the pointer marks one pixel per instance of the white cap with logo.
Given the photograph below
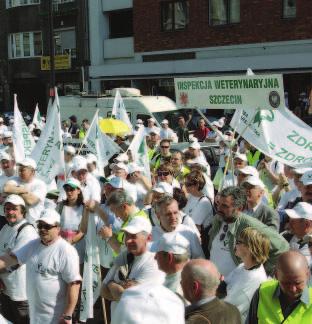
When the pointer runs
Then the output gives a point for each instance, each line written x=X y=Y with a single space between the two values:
x=249 y=170
x=301 y=210
x=255 y=181
x=137 y=225
x=28 y=162
x=49 y=216
x=163 y=188
x=14 y=200
x=173 y=242
x=306 y=179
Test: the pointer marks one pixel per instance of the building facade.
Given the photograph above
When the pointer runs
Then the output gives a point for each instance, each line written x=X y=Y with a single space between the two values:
x=25 y=49
x=146 y=44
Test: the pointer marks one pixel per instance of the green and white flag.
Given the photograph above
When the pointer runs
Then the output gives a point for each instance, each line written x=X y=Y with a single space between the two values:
x=23 y=141
x=139 y=152
x=37 y=118
x=101 y=145
x=49 y=151
x=119 y=110
x=91 y=282
x=277 y=133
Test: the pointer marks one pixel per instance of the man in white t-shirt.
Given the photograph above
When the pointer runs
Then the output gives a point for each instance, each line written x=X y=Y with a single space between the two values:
x=133 y=266
x=169 y=216
x=166 y=132
x=52 y=272
x=29 y=187
x=15 y=234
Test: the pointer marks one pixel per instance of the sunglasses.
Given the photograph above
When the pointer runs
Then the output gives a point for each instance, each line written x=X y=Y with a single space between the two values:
x=45 y=226
x=223 y=235
x=164 y=146
x=163 y=173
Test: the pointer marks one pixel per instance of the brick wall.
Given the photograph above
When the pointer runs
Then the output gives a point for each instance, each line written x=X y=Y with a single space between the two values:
x=261 y=21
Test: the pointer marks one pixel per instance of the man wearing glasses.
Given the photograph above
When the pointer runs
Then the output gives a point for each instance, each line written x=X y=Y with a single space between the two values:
x=228 y=224
x=163 y=156
x=52 y=278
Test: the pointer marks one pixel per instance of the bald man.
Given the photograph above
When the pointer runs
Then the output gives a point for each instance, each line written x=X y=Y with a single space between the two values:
x=200 y=280
x=286 y=299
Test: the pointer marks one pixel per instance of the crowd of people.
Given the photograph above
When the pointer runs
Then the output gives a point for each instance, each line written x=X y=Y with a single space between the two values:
x=188 y=245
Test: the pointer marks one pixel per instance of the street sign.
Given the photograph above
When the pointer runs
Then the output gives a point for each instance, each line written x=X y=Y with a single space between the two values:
x=61 y=62
x=231 y=92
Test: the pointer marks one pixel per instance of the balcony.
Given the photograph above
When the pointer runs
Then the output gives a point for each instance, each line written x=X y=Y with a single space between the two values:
x=111 y=5
x=118 y=48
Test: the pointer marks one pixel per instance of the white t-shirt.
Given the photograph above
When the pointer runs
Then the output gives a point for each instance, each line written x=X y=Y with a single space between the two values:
x=49 y=269
x=293 y=245
x=220 y=253
x=199 y=209
x=287 y=197
x=144 y=269
x=38 y=188
x=167 y=134
x=195 y=249
x=241 y=286
x=15 y=281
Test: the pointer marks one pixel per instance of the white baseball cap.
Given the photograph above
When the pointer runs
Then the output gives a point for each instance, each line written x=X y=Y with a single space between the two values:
x=255 y=181
x=91 y=158
x=133 y=167
x=15 y=200
x=72 y=182
x=173 y=242
x=240 y=156
x=7 y=134
x=50 y=216
x=28 y=162
x=154 y=131
x=149 y=303
x=5 y=156
x=119 y=165
x=301 y=210
x=80 y=164
x=139 y=121
x=137 y=225
x=163 y=188
x=152 y=119
x=165 y=121
x=195 y=145
x=249 y=170
x=70 y=149
x=306 y=179
x=123 y=157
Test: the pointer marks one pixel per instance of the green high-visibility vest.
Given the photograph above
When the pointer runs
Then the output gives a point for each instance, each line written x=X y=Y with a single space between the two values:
x=253 y=158
x=269 y=308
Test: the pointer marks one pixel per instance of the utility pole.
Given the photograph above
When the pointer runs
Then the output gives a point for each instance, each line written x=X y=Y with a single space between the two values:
x=52 y=49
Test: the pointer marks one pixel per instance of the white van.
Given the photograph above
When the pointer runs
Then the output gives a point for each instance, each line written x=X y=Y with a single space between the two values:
x=137 y=106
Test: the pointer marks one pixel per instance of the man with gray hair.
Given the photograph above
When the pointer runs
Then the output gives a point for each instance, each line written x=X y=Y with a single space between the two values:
x=228 y=224
x=133 y=266
x=200 y=280
x=122 y=205
x=171 y=256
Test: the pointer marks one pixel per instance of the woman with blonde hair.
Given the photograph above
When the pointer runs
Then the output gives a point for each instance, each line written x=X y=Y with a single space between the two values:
x=252 y=247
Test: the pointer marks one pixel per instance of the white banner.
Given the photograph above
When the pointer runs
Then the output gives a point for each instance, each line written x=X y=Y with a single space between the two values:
x=119 y=110
x=101 y=145
x=23 y=142
x=139 y=152
x=230 y=92
x=37 y=118
x=277 y=133
x=49 y=151
x=91 y=282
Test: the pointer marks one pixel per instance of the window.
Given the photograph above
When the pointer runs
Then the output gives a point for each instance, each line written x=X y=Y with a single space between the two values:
x=222 y=12
x=174 y=15
x=120 y=24
x=62 y=1
x=27 y=44
x=17 y=3
x=65 y=42
x=289 y=8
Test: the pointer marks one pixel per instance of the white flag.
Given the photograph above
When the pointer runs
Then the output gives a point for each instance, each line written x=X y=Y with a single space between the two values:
x=101 y=145
x=139 y=152
x=49 y=151
x=91 y=282
x=119 y=110
x=23 y=142
x=277 y=133
x=37 y=118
